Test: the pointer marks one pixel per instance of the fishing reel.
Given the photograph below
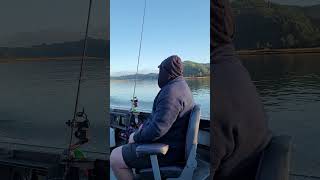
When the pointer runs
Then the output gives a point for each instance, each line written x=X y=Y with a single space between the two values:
x=134 y=111
x=133 y=122
x=134 y=104
x=81 y=123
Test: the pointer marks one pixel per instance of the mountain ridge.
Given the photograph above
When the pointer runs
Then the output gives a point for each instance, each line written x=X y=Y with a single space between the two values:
x=191 y=70
x=95 y=48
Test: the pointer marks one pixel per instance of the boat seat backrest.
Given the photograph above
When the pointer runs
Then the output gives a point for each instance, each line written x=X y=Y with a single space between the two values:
x=275 y=159
x=193 y=130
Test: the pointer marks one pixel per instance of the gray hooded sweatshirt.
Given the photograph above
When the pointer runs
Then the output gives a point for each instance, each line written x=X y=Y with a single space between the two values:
x=171 y=110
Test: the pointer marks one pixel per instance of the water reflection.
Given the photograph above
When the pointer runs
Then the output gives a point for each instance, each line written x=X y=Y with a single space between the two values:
x=37 y=98
x=199 y=85
x=283 y=78
x=290 y=90
x=146 y=90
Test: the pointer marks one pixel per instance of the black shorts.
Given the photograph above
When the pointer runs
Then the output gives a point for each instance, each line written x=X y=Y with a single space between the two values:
x=133 y=161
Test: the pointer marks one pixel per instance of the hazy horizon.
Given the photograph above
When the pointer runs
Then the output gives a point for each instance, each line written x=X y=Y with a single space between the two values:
x=127 y=73
x=143 y=71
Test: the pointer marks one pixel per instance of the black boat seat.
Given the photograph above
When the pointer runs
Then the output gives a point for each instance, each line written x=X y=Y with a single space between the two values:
x=165 y=171
x=152 y=149
x=272 y=163
x=275 y=159
x=175 y=171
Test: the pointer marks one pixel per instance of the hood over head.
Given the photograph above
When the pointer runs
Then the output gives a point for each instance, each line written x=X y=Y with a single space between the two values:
x=169 y=69
x=222 y=24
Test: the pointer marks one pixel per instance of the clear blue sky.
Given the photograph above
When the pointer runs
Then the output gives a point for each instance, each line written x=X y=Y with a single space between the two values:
x=180 y=27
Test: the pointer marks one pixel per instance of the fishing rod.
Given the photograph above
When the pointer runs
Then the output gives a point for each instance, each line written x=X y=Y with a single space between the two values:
x=80 y=119
x=134 y=101
x=140 y=45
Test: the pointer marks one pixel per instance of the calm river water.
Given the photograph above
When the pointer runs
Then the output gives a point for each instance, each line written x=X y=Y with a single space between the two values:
x=146 y=90
x=290 y=89
x=37 y=98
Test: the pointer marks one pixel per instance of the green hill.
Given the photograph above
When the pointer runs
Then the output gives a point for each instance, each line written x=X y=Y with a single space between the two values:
x=150 y=76
x=191 y=69
x=261 y=25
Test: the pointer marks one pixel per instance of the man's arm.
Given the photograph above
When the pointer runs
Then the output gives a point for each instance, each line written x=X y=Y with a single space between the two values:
x=165 y=114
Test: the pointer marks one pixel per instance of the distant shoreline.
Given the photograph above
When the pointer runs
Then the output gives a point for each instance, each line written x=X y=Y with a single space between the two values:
x=119 y=79
x=200 y=77
x=278 y=51
x=74 y=58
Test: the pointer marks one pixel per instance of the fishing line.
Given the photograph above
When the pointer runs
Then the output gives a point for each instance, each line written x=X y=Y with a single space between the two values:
x=78 y=88
x=134 y=100
x=140 y=44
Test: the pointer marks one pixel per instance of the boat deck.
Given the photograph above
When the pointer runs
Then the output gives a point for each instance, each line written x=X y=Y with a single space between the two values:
x=120 y=118
x=200 y=173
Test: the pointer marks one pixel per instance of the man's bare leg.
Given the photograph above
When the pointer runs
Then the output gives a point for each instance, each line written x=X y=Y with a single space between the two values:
x=119 y=167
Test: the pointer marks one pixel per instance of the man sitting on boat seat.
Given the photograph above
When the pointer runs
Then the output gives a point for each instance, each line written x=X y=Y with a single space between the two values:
x=239 y=131
x=167 y=123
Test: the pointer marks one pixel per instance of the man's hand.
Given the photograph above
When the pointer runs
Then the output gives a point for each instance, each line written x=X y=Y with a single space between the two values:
x=131 y=138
